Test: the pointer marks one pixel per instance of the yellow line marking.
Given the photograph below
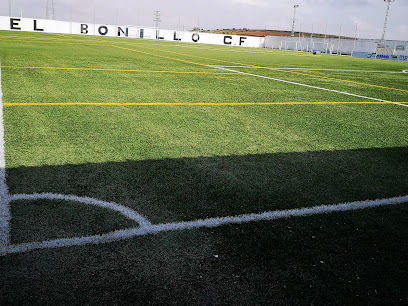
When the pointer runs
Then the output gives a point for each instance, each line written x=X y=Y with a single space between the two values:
x=183 y=54
x=53 y=41
x=200 y=57
x=189 y=104
x=161 y=56
x=281 y=70
x=109 y=44
x=118 y=70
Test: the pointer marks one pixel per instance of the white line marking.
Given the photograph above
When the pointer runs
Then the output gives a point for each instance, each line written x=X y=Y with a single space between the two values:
x=400 y=104
x=145 y=226
x=304 y=85
x=206 y=223
x=404 y=71
x=312 y=69
x=125 y=211
x=252 y=67
x=4 y=196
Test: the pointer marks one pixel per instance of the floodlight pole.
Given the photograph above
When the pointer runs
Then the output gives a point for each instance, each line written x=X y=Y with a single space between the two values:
x=294 y=19
x=9 y=3
x=386 y=19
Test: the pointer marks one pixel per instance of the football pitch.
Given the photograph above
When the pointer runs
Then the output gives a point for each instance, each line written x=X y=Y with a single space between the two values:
x=143 y=172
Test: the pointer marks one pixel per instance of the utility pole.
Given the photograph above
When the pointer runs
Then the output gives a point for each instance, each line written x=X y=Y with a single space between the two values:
x=338 y=46
x=294 y=19
x=50 y=10
x=157 y=19
x=386 y=20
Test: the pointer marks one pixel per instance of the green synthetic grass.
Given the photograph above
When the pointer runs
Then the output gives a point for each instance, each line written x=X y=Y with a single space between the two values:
x=179 y=163
x=95 y=134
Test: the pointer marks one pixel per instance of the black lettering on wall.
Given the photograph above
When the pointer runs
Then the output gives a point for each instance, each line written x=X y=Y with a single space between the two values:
x=175 y=36
x=120 y=30
x=84 y=28
x=14 y=23
x=227 y=42
x=158 y=34
x=103 y=30
x=35 y=26
x=195 y=37
x=242 y=40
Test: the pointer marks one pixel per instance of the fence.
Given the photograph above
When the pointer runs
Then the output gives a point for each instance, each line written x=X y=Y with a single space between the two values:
x=367 y=48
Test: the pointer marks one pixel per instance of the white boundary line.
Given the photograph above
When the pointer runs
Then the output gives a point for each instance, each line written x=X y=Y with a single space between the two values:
x=313 y=69
x=4 y=196
x=304 y=85
x=148 y=228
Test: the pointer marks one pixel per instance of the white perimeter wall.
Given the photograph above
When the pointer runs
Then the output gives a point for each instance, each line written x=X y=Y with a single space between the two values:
x=64 y=27
x=204 y=38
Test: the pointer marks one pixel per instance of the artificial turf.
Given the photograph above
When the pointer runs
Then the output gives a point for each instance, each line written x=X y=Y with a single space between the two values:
x=185 y=162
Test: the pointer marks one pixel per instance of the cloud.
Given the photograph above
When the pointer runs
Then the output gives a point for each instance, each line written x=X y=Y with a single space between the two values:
x=333 y=3
x=212 y=14
x=364 y=28
x=254 y=3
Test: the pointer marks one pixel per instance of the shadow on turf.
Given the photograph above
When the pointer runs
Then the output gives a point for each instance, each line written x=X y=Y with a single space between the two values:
x=184 y=189
x=353 y=258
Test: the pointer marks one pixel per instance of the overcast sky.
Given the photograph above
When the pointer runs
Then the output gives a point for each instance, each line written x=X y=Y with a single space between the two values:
x=345 y=15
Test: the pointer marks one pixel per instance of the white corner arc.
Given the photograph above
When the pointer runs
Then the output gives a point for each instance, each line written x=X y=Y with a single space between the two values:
x=147 y=228
x=125 y=211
